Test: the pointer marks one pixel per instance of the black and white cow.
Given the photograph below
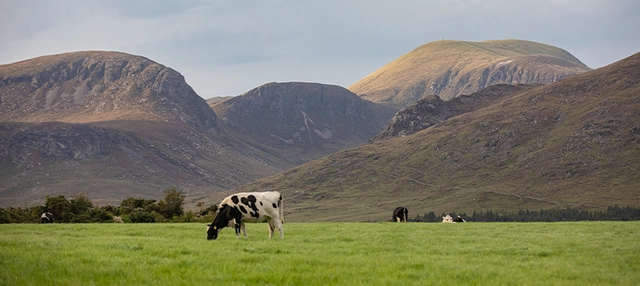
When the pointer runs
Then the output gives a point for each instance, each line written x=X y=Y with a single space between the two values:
x=459 y=219
x=46 y=217
x=400 y=214
x=239 y=208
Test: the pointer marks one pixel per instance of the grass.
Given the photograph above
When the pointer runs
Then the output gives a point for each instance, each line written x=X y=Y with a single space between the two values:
x=583 y=253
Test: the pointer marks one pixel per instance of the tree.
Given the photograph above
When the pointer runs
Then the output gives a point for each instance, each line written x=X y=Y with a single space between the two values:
x=80 y=204
x=172 y=203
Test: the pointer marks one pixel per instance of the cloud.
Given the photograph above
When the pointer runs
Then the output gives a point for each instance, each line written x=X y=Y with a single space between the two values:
x=230 y=47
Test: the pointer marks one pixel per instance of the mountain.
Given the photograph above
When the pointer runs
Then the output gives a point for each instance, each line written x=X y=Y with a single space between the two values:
x=572 y=143
x=98 y=86
x=297 y=122
x=452 y=68
x=111 y=125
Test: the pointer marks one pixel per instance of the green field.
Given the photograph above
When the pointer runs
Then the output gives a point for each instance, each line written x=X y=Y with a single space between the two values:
x=575 y=253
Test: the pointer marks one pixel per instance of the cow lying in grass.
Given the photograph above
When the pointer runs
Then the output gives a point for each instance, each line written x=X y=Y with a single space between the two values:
x=449 y=219
x=239 y=208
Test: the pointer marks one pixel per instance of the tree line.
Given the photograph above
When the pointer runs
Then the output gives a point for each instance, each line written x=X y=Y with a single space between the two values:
x=80 y=209
x=616 y=212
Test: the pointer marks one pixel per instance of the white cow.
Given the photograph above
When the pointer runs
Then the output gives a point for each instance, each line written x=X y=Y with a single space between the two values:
x=248 y=207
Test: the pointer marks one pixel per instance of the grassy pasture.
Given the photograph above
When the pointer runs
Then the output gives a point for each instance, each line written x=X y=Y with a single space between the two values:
x=576 y=253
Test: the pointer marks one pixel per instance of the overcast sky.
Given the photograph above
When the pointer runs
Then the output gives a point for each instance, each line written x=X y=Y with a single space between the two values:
x=229 y=47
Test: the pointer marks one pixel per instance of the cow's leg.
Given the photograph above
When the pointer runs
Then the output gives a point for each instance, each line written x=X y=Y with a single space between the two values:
x=397 y=219
x=244 y=230
x=238 y=228
x=278 y=226
x=270 y=223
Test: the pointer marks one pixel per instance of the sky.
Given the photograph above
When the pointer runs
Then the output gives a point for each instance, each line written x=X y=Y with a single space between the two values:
x=226 y=48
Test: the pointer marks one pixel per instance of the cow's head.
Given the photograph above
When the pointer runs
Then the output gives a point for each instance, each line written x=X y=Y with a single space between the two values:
x=225 y=216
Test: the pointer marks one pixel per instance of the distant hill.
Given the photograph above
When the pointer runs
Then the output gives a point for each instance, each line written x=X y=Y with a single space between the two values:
x=214 y=100
x=297 y=122
x=452 y=68
x=573 y=143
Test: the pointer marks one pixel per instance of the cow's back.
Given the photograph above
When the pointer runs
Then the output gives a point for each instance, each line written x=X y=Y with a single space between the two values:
x=255 y=206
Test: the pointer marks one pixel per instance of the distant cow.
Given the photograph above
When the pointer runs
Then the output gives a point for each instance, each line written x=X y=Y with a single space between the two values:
x=46 y=217
x=400 y=214
x=239 y=208
x=459 y=219
x=449 y=219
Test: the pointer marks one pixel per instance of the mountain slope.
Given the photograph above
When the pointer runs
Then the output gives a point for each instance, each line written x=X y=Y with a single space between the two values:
x=297 y=122
x=452 y=68
x=571 y=143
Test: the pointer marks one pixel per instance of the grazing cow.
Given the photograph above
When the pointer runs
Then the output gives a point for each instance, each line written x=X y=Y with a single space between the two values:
x=400 y=214
x=46 y=217
x=459 y=219
x=239 y=208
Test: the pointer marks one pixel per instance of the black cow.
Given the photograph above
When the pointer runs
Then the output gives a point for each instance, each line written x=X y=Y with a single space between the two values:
x=239 y=208
x=400 y=214
x=46 y=217
x=459 y=219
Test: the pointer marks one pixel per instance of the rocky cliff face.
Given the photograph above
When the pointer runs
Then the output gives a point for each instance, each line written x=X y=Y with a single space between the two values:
x=98 y=86
x=432 y=110
x=453 y=68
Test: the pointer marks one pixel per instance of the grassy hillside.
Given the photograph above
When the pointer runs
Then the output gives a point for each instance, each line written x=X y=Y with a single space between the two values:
x=585 y=253
x=571 y=143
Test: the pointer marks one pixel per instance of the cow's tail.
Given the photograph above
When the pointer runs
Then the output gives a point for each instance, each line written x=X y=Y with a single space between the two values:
x=281 y=209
